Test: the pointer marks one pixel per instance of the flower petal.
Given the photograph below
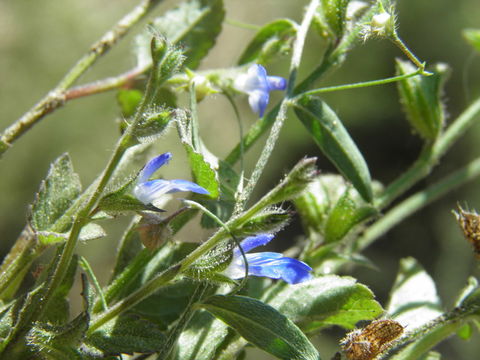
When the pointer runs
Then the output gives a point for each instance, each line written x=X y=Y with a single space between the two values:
x=276 y=83
x=252 y=242
x=258 y=101
x=152 y=166
x=289 y=270
x=185 y=185
x=148 y=191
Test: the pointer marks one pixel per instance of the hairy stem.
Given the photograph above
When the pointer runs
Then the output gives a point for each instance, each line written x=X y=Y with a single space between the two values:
x=430 y=156
x=282 y=113
x=57 y=97
x=417 y=201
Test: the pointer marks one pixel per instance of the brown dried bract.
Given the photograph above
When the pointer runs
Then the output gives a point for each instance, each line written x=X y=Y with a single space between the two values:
x=372 y=340
x=470 y=224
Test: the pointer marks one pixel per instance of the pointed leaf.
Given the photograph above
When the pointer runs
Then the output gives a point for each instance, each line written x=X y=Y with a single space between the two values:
x=57 y=192
x=201 y=338
x=333 y=139
x=203 y=173
x=194 y=25
x=346 y=214
x=262 y=326
x=127 y=334
x=129 y=99
x=270 y=41
x=413 y=299
x=326 y=301
x=421 y=99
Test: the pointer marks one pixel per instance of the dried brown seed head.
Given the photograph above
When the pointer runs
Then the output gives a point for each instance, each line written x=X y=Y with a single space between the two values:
x=372 y=340
x=470 y=224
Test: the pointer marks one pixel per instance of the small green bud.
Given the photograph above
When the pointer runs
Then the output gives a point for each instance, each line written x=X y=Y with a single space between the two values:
x=330 y=18
x=421 y=99
x=158 y=48
x=294 y=183
x=268 y=221
x=317 y=200
x=382 y=24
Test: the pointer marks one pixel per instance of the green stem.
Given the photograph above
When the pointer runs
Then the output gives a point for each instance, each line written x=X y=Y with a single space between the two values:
x=401 y=45
x=433 y=333
x=242 y=25
x=83 y=216
x=88 y=269
x=165 y=277
x=103 y=85
x=134 y=298
x=332 y=58
x=430 y=156
x=194 y=118
x=282 y=113
x=56 y=97
x=417 y=201
x=360 y=84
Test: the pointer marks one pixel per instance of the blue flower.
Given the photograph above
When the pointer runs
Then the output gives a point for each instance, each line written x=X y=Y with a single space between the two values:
x=258 y=85
x=268 y=264
x=148 y=191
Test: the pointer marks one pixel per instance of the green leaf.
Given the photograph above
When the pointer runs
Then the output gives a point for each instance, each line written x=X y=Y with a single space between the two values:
x=293 y=185
x=330 y=18
x=262 y=326
x=129 y=99
x=57 y=343
x=194 y=25
x=316 y=202
x=201 y=338
x=127 y=335
x=472 y=36
x=333 y=139
x=268 y=221
x=228 y=181
x=346 y=214
x=120 y=201
x=91 y=231
x=413 y=299
x=468 y=297
x=203 y=173
x=129 y=246
x=326 y=301
x=57 y=192
x=270 y=41
x=166 y=305
x=431 y=355
x=421 y=99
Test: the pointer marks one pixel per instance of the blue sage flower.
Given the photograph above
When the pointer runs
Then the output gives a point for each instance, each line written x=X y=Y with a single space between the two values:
x=257 y=84
x=148 y=191
x=268 y=264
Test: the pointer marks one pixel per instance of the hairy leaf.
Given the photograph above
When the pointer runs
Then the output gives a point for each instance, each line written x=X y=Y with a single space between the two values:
x=57 y=193
x=201 y=338
x=413 y=299
x=333 y=139
x=326 y=301
x=194 y=25
x=271 y=40
x=262 y=326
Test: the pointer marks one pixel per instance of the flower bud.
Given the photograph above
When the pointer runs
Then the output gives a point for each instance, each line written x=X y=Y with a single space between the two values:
x=420 y=97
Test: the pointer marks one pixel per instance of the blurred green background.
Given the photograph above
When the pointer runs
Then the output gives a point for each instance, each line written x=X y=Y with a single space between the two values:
x=41 y=40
